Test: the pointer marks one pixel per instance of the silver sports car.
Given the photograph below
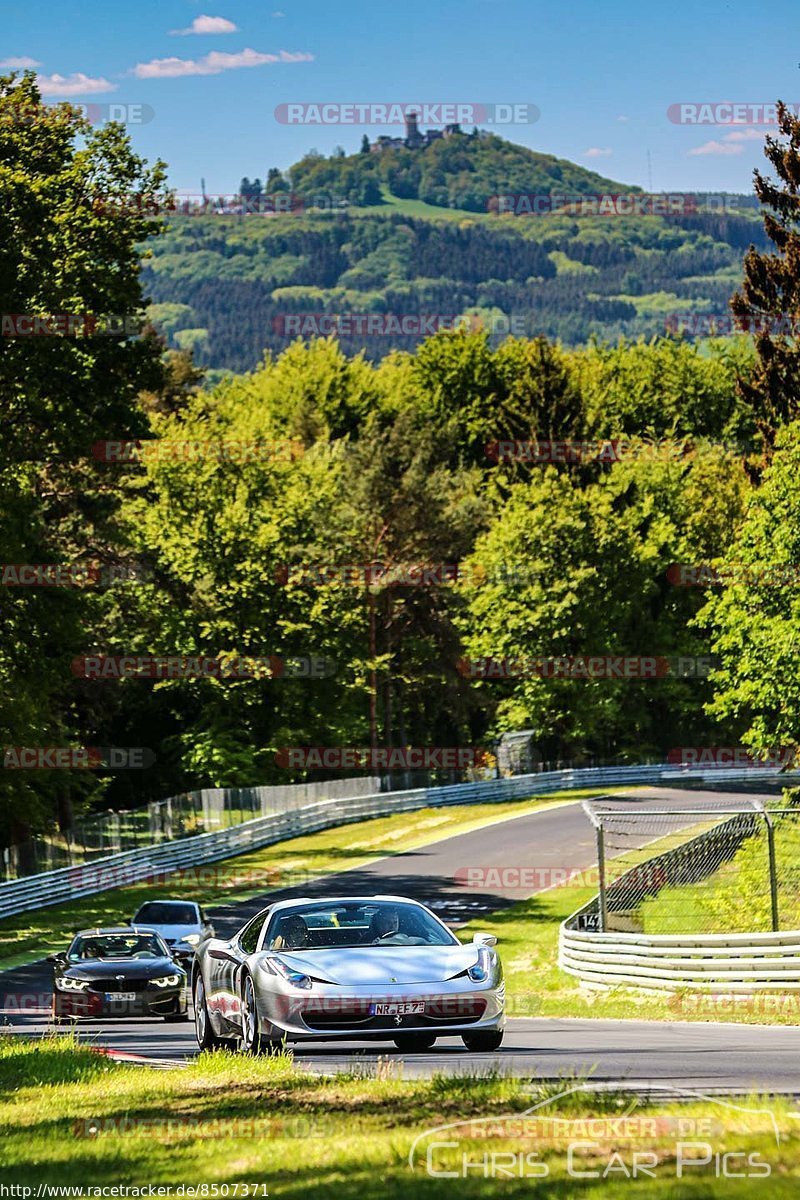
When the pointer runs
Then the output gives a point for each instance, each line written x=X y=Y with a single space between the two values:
x=378 y=968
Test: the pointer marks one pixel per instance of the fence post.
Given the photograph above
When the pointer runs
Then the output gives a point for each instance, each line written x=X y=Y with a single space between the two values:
x=773 y=874
x=761 y=808
x=601 y=861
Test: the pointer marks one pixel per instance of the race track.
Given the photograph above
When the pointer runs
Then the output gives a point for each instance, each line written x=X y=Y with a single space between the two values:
x=719 y=1056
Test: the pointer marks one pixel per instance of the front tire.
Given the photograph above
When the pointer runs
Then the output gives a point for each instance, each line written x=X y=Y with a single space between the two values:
x=414 y=1043
x=206 y=1038
x=483 y=1041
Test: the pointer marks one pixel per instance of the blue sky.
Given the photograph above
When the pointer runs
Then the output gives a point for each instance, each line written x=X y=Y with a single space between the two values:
x=602 y=75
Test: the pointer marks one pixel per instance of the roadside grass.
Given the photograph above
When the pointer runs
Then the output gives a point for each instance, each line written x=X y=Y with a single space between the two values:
x=29 y=936
x=736 y=898
x=72 y=1118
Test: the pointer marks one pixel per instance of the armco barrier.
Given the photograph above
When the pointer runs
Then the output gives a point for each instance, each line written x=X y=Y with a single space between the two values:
x=69 y=883
x=710 y=962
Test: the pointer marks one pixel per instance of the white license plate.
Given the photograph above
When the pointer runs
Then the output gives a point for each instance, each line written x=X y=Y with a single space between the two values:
x=401 y=1009
x=112 y=996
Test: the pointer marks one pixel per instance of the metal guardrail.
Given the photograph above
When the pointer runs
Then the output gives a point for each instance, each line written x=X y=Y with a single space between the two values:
x=711 y=962
x=70 y=883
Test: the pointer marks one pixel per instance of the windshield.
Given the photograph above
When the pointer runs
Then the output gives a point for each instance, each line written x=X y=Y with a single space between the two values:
x=116 y=945
x=160 y=912
x=356 y=923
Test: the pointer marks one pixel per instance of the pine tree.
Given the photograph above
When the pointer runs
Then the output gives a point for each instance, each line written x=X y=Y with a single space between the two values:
x=769 y=300
x=365 y=144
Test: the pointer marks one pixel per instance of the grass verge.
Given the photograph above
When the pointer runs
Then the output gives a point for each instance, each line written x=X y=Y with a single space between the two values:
x=71 y=1118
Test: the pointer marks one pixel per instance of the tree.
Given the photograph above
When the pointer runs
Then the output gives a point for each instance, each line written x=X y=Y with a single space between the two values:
x=364 y=144
x=769 y=300
x=70 y=237
x=572 y=570
x=753 y=619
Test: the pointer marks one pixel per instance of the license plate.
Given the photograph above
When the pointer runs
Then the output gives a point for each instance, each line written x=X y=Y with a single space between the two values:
x=112 y=996
x=400 y=1009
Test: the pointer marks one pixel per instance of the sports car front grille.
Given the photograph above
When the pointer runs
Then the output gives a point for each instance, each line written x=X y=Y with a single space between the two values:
x=448 y=1010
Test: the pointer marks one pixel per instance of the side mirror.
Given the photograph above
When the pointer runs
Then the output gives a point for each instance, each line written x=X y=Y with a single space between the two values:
x=485 y=939
x=56 y=958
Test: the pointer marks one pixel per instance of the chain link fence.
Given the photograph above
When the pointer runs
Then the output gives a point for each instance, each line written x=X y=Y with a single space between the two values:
x=710 y=869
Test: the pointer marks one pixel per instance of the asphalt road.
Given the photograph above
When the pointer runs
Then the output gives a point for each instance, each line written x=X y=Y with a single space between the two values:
x=691 y=1054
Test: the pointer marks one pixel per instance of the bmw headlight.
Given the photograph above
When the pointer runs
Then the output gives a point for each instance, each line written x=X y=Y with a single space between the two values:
x=66 y=984
x=479 y=971
x=167 y=980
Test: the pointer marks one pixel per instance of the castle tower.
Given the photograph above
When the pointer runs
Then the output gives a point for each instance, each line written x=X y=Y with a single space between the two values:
x=413 y=136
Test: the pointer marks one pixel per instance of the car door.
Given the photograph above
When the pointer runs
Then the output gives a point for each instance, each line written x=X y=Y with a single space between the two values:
x=224 y=969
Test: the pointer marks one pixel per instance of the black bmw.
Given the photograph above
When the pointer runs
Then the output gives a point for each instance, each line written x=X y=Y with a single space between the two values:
x=118 y=973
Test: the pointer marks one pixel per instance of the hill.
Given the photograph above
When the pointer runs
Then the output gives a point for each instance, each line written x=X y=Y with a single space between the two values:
x=381 y=237
x=464 y=171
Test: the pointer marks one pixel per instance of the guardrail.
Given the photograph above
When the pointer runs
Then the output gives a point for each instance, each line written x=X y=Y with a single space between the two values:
x=70 y=883
x=710 y=962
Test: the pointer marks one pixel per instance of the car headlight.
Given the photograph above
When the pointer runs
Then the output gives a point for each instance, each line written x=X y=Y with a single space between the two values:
x=167 y=980
x=66 y=984
x=479 y=971
x=192 y=938
x=295 y=978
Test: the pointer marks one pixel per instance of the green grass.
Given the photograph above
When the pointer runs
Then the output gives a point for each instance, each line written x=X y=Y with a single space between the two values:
x=29 y=936
x=71 y=1118
x=736 y=898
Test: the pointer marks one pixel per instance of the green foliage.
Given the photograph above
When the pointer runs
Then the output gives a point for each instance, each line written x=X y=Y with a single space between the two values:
x=67 y=248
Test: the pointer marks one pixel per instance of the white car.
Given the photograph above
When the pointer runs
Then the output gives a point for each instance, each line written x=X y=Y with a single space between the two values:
x=182 y=924
x=372 y=968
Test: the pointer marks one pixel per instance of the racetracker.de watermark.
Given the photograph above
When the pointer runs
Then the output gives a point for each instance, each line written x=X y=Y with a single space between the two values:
x=72 y=575
x=594 y=204
x=589 y=666
x=731 y=756
x=154 y=450
x=386 y=575
x=186 y=666
x=70 y=325
x=381 y=758
x=131 y=113
x=77 y=758
x=755 y=575
x=447 y=112
x=726 y=112
x=725 y=324
x=395 y=324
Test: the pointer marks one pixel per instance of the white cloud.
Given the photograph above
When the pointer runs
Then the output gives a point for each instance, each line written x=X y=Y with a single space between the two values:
x=19 y=63
x=213 y=64
x=598 y=152
x=623 y=118
x=278 y=13
x=206 y=24
x=713 y=147
x=76 y=84
x=745 y=135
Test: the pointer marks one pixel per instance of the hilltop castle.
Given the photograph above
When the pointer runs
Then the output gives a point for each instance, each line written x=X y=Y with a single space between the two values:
x=414 y=140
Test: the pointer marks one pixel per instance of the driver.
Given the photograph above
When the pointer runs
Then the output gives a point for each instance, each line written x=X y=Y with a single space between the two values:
x=293 y=934
x=385 y=923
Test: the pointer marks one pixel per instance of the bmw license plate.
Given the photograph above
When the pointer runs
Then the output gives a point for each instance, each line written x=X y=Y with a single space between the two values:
x=112 y=996
x=400 y=1009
